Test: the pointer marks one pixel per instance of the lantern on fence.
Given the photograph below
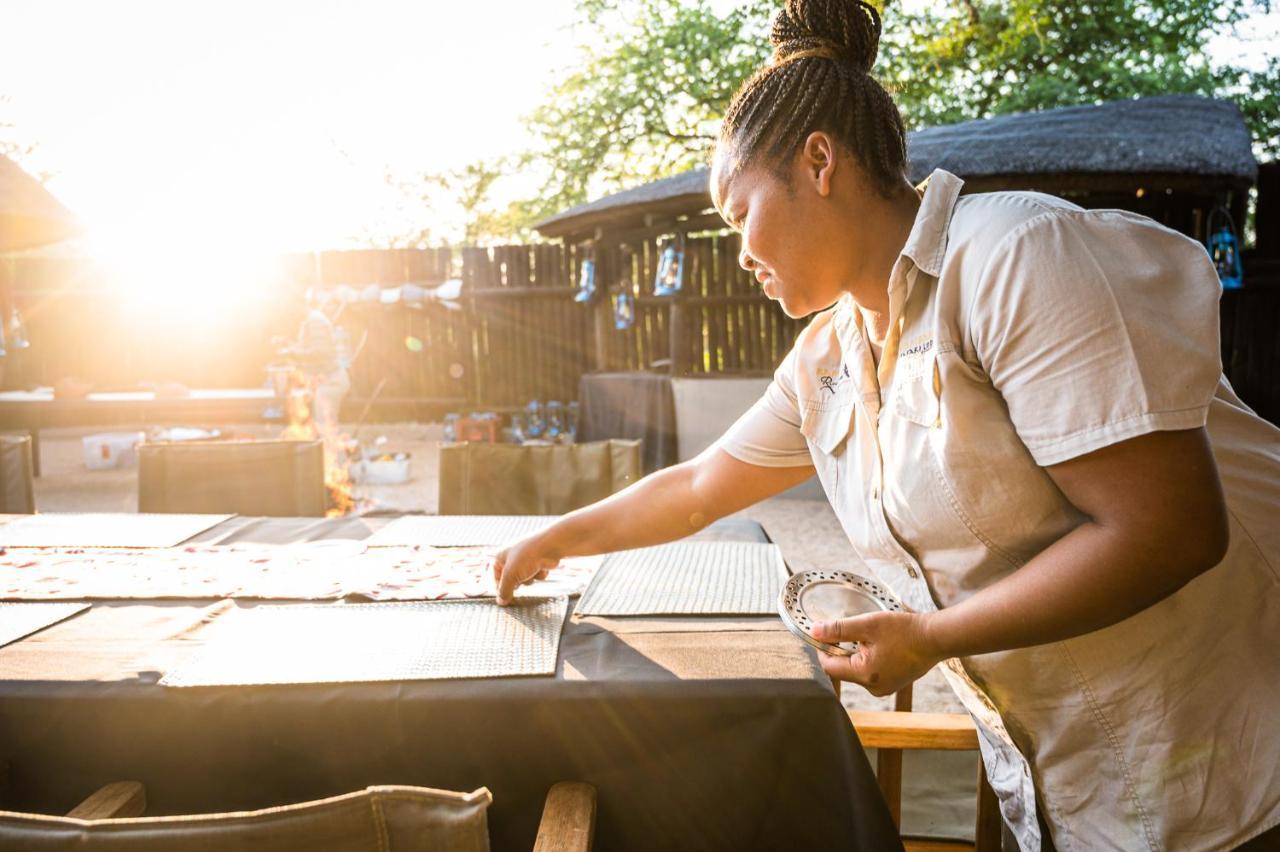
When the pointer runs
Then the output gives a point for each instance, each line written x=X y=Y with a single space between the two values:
x=535 y=421
x=555 y=421
x=1224 y=249
x=670 y=268
x=586 y=277
x=624 y=310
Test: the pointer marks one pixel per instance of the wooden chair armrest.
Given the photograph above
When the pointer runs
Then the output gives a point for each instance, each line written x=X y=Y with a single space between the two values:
x=115 y=800
x=568 y=818
x=924 y=844
x=905 y=730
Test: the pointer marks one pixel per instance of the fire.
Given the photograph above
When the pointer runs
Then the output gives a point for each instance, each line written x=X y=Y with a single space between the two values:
x=302 y=426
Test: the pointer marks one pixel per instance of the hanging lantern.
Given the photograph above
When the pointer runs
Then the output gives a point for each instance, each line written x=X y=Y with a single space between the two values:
x=624 y=310
x=1224 y=249
x=586 y=277
x=670 y=268
x=535 y=420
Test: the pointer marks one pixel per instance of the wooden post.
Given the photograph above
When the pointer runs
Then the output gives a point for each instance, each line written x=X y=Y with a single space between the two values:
x=603 y=308
x=676 y=331
x=678 y=314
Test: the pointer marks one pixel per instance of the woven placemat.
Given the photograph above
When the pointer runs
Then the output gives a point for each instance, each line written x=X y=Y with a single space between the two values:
x=458 y=530
x=688 y=578
x=22 y=619
x=377 y=642
x=104 y=529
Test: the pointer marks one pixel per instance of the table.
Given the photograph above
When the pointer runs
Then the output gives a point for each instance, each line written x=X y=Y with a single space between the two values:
x=698 y=733
x=32 y=411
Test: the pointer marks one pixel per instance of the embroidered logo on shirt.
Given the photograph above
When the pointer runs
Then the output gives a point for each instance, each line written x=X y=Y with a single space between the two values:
x=915 y=348
x=831 y=379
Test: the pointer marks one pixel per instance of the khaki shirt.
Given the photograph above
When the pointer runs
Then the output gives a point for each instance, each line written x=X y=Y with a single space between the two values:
x=1025 y=331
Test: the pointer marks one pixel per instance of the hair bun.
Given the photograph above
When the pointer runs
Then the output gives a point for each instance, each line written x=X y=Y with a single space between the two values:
x=848 y=29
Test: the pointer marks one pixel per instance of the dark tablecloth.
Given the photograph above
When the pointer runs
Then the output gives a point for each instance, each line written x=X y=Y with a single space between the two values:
x=631 y=406
x=698 y=733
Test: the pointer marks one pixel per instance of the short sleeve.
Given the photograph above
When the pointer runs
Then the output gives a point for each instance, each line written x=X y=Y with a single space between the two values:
x=768 y=435
x=1097 y=327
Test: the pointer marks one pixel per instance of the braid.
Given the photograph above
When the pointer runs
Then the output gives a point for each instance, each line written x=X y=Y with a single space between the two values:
x=819 y=80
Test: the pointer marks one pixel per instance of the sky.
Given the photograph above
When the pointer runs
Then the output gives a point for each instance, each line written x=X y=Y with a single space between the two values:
x=271 y=125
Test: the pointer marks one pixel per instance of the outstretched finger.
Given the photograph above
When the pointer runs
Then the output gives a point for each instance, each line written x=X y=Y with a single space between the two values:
x=507 y=584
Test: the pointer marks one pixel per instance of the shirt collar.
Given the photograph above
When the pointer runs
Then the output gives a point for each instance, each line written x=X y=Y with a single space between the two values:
x=927 y=242
x=925 y=247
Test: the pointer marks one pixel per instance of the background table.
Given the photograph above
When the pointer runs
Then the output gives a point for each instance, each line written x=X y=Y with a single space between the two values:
x=32 y=411
x=699 y=733
x=631 y=406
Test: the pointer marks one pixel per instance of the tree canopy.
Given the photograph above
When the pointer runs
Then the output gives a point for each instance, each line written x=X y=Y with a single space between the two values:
x=964 y=59
x=647 y=94
x=653 y=78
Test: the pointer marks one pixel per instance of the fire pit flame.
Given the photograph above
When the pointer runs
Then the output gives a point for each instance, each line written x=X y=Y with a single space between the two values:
x=303 y=426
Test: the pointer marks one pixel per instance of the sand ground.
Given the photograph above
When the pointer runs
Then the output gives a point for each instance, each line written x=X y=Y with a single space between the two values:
x=939 y=787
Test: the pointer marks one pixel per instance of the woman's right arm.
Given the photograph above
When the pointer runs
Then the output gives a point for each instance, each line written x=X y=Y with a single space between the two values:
x=664 y=506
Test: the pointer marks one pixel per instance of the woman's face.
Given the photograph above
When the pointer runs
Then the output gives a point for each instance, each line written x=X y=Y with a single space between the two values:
x=791 y=241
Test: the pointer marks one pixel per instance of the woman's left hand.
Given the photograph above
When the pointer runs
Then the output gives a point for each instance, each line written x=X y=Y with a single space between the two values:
x=894 y=650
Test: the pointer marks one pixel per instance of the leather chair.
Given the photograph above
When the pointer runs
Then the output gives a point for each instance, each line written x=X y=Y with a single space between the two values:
x=377 y=819
x=502 y=479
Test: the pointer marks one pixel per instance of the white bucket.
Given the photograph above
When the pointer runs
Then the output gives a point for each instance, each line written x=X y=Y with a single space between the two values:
x=109 y=450
x=382 y=469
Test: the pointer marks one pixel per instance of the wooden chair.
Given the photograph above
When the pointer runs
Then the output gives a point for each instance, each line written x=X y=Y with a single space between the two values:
x=891 y=732
x=112 y=816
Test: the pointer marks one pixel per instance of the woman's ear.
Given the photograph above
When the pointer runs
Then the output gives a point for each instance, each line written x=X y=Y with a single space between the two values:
x=818 y=160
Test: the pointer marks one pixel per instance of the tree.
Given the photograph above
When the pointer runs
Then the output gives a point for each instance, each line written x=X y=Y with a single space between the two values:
x=472 y=189
x=465 y=196
x=645 y=99
x=967 y=59
x=653 y=80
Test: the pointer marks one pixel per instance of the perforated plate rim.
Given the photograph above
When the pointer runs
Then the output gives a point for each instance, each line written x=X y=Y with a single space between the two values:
x=793 y=616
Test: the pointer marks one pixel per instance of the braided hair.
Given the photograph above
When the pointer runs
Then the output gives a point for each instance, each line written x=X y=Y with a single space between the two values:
x=819 y=79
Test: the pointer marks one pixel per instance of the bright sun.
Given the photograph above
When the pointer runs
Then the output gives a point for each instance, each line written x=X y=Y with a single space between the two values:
x=249 y=130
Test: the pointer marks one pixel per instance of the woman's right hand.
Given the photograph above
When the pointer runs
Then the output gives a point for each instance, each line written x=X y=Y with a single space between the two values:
x=523 y=562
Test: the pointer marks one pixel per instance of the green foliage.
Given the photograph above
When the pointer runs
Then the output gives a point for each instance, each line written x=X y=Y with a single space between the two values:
x=645 y=99
x=471 y=189
x=1258 y=95
x=965 y=59
x=653 y=78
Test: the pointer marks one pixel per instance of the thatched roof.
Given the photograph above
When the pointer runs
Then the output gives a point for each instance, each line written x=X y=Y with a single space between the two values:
x=1179 y=135
x=29 y=215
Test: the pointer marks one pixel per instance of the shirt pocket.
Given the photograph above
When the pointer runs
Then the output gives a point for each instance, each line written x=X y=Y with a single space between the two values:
x=918 y=397
x=827 y=427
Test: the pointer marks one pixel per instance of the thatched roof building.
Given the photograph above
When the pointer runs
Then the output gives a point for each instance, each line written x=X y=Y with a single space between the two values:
x=1172 y=158
x=29 y=216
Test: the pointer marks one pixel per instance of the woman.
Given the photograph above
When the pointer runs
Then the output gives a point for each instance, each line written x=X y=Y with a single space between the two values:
x=1017 y=411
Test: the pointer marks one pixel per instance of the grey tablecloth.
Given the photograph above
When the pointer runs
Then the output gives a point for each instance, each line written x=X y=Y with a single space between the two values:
x=631 y=405
x=698 y=733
